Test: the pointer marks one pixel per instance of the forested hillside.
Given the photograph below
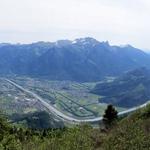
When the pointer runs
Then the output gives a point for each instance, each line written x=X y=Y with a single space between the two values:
x=131 y=133
x=128 y=90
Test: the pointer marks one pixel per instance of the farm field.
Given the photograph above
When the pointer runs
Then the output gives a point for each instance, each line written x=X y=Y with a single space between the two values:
x=71 y=98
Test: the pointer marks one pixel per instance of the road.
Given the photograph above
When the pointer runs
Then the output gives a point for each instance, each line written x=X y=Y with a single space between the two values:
x=64 y=117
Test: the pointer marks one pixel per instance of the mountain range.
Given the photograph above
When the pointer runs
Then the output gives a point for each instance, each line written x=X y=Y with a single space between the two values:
x=84 y=59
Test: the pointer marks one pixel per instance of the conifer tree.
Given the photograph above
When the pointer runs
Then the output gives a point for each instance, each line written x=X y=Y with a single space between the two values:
x=110 y=116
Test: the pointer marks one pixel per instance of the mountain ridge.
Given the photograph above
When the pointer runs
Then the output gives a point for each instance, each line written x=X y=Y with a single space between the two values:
x=84 y=59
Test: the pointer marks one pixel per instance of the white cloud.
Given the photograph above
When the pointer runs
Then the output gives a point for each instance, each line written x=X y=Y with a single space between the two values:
x=119 y=21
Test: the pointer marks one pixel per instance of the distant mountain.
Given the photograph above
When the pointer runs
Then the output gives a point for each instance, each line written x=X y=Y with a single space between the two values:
x=130 y=89
x=84 y=59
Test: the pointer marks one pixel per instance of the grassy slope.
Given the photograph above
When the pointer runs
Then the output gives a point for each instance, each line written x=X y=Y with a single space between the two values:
x=131 y=133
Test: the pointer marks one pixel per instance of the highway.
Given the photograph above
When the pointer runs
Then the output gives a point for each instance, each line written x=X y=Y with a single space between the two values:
x=64 y=117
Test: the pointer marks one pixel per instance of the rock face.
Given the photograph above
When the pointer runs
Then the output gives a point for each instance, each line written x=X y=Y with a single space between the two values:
x=82 y=60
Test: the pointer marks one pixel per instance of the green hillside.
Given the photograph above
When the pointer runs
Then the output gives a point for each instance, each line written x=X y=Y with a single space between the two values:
x=130 y=133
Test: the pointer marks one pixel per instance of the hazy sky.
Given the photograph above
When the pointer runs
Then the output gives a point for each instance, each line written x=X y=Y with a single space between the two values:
x=118 y=21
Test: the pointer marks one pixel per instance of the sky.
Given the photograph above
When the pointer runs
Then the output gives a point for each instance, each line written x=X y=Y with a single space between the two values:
x=117 y=21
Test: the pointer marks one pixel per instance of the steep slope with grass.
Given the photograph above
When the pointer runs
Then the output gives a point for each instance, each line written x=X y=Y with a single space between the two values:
x=131 y=133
